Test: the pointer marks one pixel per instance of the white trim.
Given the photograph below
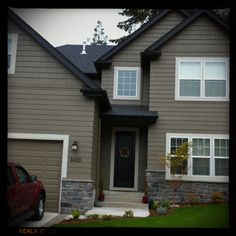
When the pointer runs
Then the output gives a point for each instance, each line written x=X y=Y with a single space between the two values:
x=115 y=83
x=14 y=38
x=190 y=176
x=202 y=79
x=54 y=137
x=136 y=130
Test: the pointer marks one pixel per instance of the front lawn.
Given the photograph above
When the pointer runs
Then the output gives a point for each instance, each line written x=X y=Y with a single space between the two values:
x=202 y=216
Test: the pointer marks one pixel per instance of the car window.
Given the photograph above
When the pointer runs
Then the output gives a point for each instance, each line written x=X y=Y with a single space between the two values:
x=22 y=175
x=10 y=177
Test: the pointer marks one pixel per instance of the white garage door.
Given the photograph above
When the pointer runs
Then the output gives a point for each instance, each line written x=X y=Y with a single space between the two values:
x=43 y=159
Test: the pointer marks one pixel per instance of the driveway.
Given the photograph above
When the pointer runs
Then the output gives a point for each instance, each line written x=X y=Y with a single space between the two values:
x=48 y=219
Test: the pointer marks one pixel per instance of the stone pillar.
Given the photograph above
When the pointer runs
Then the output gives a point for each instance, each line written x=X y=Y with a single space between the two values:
x=77 y=194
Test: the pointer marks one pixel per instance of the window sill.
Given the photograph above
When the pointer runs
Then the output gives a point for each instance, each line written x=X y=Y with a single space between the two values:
x=200 y=179
x=215 y=99
x=126 y=98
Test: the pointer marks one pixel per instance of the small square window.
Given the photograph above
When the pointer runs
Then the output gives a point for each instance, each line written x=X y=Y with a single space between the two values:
x=126 y=83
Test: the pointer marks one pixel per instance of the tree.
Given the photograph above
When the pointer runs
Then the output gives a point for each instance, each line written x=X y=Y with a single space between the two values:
x=137 y=17
x=177 y=162
x=99 y=37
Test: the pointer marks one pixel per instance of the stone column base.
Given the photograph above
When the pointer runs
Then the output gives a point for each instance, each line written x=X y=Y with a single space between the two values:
x=76 y=194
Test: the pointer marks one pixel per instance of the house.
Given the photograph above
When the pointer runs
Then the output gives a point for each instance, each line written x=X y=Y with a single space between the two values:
x=108 y=114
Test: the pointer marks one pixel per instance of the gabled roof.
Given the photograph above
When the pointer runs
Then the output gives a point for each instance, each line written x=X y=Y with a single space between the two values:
x=85 y=62
x=53 y=51
x=136 y=33
x=156 y=46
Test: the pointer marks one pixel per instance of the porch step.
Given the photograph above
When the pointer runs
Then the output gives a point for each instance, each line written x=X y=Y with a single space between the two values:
x=123 y=199
x=127 y=205
x=117 y=211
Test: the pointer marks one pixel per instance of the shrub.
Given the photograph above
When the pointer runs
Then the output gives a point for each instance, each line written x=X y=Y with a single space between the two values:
x=163 y=203
x=106 y=217
x=128 y=214
x=75 y=214
x=217 y=197
x=193 y=199
x=161 y=210
x=152 y=204
x=93 y=216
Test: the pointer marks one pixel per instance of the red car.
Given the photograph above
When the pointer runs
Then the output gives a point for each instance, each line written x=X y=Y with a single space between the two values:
x=25 y=195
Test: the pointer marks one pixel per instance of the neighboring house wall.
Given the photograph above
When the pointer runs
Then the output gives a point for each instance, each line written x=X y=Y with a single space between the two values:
x=203 y=38
x=44 y=97
x=129 y=56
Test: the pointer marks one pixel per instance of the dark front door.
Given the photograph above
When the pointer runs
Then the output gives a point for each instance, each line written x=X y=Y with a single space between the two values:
x=124 y=159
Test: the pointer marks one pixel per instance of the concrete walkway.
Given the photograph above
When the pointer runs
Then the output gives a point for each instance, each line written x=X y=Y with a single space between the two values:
x=47 y=220
x=117 y=211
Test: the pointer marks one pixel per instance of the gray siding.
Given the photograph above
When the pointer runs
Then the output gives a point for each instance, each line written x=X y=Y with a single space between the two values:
x=95 y=144
x=130 y=56
x=203 y=38
x=44 y=97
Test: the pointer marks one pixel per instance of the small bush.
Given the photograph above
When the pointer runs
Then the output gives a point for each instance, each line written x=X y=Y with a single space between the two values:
x=93 y=216
x=163 y=203
x=193 y=199
x=106 y=217
x=217 y=197
x=161 y=210
x=128 y=214
x=153 y=204
x=75 y=214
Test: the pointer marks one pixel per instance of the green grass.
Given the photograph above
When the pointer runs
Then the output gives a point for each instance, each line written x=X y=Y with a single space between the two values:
x=203 y=216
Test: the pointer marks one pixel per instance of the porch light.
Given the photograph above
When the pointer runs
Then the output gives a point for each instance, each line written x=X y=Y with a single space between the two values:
x=74 y=146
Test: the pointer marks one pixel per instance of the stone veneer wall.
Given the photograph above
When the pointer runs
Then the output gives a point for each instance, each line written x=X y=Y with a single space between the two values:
x=76 y=194
x=159 y=188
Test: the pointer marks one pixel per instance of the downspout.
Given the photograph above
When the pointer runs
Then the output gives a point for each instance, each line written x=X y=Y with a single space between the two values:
x=98 y=158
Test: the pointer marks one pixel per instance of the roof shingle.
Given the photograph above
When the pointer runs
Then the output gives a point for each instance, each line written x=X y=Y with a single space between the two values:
x=85 y=62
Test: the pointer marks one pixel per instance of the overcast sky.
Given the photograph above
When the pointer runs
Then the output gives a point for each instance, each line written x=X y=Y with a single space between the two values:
x=72 y=26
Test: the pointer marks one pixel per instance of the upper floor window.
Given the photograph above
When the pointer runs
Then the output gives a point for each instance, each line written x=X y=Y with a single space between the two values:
x=203 y=79
x=126 y=83
x=11 y=54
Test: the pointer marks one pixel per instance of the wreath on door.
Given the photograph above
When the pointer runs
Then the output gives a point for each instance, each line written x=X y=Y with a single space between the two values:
x=124 y=152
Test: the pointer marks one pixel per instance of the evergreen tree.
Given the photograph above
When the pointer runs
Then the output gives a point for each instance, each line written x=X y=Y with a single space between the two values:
x=99 y=36
x=137 y=17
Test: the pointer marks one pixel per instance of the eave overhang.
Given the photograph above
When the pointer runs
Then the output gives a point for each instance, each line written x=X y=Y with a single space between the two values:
x=123 y=113
x=101 y=97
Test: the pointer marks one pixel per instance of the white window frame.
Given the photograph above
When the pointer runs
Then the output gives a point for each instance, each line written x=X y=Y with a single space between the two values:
x=14 y=38
x=115 y=84
x=217 y=157
x=189 y=176
x=202 y=96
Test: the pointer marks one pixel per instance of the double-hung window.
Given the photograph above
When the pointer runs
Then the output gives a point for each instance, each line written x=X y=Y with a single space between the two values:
x=202 y=79
x=208 y=156
x=126 y=83
x=11 y=52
